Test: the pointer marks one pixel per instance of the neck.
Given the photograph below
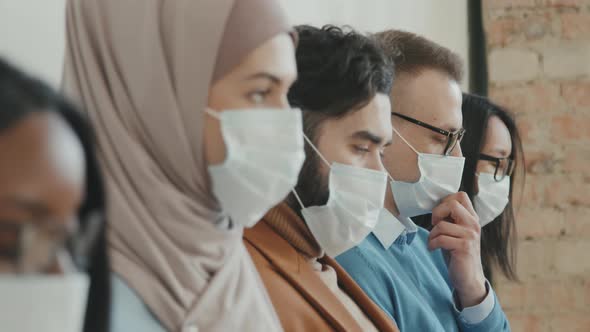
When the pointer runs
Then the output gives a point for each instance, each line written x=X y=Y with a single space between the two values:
x=390 y=204
x=392 y=207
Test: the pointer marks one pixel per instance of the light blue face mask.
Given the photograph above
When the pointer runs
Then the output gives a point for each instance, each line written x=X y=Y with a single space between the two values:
x=351 y=213
x=48 y=303
x=265 y=152
x=492 y=198
x=440 y=176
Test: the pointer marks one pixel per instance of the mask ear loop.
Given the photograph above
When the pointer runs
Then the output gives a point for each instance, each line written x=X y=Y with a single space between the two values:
x=405 y=141
x=321 y=157
x=389 y=176
x=212 y=113
x=317 y=151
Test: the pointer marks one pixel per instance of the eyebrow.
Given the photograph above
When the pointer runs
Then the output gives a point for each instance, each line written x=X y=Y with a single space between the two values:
x=263 y=75
x=34 y=208
x=369 y=136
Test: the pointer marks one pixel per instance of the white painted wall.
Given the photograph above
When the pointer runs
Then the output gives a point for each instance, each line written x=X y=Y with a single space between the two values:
x=444 y=22
x=32 y=32
x=32 y=35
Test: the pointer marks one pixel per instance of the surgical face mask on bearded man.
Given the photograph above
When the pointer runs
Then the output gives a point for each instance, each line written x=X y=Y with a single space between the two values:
x=351 y=212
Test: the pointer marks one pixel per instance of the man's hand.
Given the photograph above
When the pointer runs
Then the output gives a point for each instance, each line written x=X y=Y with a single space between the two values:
x=456 y=229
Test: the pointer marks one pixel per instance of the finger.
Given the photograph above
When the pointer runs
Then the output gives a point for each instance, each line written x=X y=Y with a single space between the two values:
x=450 y=229
x=463 y=199
x=447 y=243
x=454 y=212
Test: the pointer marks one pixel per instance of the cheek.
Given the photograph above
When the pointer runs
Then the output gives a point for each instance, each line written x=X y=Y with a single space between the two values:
x=214 y=146
x=229 y=94
x=484 y=167
x=222 y=96
x=389 y=158
x=63 y=197
x=401 y=162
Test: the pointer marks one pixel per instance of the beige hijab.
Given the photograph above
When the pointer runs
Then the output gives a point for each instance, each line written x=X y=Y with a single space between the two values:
x=142 y=70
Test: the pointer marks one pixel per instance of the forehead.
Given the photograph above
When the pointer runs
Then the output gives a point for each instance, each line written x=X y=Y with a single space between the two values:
x=275 y=56
x=497 y=138
x=42 y=159
x=430 y=96
x=373 y=117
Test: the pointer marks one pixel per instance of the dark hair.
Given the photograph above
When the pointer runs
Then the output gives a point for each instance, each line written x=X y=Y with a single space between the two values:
x=21 y=96
x=498 y=239
x=339 y=72
x=412 y=53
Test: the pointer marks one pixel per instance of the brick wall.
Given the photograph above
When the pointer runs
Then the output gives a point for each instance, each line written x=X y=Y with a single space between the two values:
x=539 y=66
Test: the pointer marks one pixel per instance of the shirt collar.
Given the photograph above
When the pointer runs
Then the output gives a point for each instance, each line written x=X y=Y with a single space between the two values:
x=389 y=229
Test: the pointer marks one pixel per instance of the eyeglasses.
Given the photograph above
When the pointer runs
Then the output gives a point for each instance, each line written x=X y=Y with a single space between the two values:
x=503 y=166
x=452 y=137
x=33 y=247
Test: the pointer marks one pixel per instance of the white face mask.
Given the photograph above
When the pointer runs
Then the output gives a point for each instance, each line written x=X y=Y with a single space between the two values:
x=440 y=176
x=352 y=211
x=48 y=303
x=492 y=198
x=265 y=152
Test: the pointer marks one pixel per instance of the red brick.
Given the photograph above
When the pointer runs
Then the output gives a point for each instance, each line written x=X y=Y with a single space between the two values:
x=571 y=322
x=577 y=159
x=501 y=31
x=534 y=129
x=508 y=30
x=580 y=290
x=534 y=191
x=531 y=98
x=539 y=161
x=571 y=258
x=535 y=260
x=575 y=25
x=562 y=297
x=566 y=191
x=564 y=3
x=577 y=94
x=535 y=222
x=512 y=295
x=570 y=128
x=505 y=4
x=577 y=221
x=520 y=322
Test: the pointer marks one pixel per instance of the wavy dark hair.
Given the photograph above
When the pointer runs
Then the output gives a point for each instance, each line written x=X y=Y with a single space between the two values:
x=339 y=72
x=21 y=96
x=498 y=239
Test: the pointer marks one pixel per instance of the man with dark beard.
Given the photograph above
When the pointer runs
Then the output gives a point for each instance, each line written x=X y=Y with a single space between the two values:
x=343 y=90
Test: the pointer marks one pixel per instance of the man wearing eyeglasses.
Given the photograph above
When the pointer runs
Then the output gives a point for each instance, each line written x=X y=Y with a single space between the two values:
x=426 y=281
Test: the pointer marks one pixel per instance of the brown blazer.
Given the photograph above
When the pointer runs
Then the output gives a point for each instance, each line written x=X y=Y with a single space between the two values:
x=300 y=297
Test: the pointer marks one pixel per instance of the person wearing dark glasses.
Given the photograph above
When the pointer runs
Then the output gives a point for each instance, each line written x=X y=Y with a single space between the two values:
x=426 y=280
x=54 y=273
x=494 y=165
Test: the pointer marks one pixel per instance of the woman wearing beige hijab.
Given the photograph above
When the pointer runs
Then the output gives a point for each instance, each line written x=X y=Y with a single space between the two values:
x=189 y=102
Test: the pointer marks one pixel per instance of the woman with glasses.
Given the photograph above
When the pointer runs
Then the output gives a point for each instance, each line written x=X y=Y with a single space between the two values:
x=493 y=165
x=54 y=272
